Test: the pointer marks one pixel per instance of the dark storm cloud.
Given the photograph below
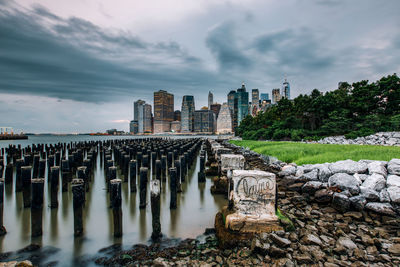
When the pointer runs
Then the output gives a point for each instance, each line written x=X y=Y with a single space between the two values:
x=223 y=44
x=298 y=49
x=74 y=59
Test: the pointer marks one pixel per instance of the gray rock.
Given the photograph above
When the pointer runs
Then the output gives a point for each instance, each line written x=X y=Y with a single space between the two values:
x=394 y=194
x=393 y=180
x=287 y=170
x=323 y=196
x=280 y=241
x=394 y=167
x=300 y=171
x=341 y=202
x=377 y=167
x=260 y=247
x=310 y=176
x=310 y=239
x=381 y=208
x=346 y=243
x=361 y=177
x=311 y=187
x=384 y=195
x=375 y=182
x=369 y=194
x=358 y=202
x=348 y=166
x=324 y=172
x=344 y=182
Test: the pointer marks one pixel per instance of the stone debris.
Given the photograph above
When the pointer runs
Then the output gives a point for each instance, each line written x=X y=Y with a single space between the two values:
x=381 y=138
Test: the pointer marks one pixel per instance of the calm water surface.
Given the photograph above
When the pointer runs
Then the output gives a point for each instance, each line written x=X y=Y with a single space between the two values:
x=195 y=212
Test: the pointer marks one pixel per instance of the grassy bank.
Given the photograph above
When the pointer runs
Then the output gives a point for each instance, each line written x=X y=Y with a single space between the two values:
x=301 y=153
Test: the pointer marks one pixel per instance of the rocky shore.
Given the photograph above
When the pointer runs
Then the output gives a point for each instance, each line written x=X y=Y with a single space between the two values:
x=381 y=138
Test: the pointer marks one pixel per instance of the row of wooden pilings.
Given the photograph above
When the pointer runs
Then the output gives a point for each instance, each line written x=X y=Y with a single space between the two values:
x=74 y=164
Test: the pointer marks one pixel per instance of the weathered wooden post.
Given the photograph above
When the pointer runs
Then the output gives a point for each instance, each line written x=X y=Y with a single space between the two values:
x=65 y=175
x=155 y=209
x=78 y=192
x=18 y=177
x=35 y=172
x=126 y=168
x=177 y=165
x=201 y=175
x=183 y=167
x=143 y=187
x=26 y=172
x=132 y=175
x=42 y=168
x=3 y=230
x=50 y=163
x=82 y=174
x=169 y=159
x=37 y=207
x=54 y=183
x=8 y=174
x=163 y=168
x=153 y=162
x=158 y=170
x=116 y=200
x=173 y=188
x=112 y=174
x=139 y=161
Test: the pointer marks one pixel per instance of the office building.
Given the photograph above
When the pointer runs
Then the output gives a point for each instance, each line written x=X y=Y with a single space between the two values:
x=175 y=126
x=233 y=106
x=136 y=105
x=215 y=108
x=264 y=96
x=210 y=100
x=177 y=115
x=133 y=127
x=203 y=121
x=224 y=121
x=187 y=113
x=286 y=89
x=163 y=111
x=242 y=103
x=147 y=119
x=255 y=102
x=276 y=95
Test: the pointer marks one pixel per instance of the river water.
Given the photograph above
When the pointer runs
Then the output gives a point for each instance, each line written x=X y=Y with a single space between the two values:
x=195 y=212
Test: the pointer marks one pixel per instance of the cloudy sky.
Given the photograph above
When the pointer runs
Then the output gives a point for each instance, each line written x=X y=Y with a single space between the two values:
x=77 y=65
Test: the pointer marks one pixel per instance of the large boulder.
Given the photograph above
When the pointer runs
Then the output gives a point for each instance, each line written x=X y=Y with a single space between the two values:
x=394 y=194
x=311 y=187
x=310 y=176
x=369 y=194
x=394 y=167
x=323 y=196
x=344 y=181
x=382 y=208
x=384 y=195
x=324 y=172
x=393 y=180
x=358 y=202
x=348 y=166
x=287 y=170
x=377 y=167
x=375 y=182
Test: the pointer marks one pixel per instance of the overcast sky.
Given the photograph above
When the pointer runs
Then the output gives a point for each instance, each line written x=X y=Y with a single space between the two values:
x=77 y=65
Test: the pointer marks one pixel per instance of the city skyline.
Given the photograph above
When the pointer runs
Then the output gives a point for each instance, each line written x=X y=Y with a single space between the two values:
x=77 y=66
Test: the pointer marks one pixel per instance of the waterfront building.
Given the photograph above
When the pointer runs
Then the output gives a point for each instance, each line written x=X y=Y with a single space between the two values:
x=215 y=108
x=276 y=95
x=136 y=106
x=224 y=120
x=255 y=102
x=133 y=127
x=147 y=119
x=286 y=89
x=175 y=126
x=177 y=115
x=264 y=96
x=163 y=111
x=210 y=99
x=242 y=103
x=204 y=121
x=233 y=106
x=187 y=113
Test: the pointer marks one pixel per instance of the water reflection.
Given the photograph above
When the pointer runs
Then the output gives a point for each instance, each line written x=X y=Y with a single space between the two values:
x=192 y=216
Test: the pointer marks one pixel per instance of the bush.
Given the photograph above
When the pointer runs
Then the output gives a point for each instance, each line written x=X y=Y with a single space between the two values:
x=297 y=135
x=280 y=134
x=360 y=133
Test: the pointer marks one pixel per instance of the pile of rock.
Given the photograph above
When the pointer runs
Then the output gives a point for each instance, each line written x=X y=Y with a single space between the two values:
x=366 y=184
x=382 y=138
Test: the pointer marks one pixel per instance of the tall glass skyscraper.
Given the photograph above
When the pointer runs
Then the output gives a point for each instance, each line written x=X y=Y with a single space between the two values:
x=264 y=96
x=243 y=103
x=286 y=89
x=187 y=114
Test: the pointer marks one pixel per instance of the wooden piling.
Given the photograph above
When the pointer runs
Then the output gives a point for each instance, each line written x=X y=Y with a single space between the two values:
x=201 y=175
x=8 y=175
x=82 y=174
x=54 y=184
x=173 y=188
x=132 y=176
x=3 y=230
x=163 y=168
x=116 y=200
x=155 y=209
x=37 y=207
x=78 y=192
x=143 y=187
x=26 y=172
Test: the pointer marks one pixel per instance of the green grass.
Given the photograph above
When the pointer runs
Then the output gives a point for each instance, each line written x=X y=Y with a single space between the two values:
x=301 y=153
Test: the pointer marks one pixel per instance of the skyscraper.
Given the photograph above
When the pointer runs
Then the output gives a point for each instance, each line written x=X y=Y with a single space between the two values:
x=187 y=113
x=224 y=121
x=264 y=96
x=286 y=89
x=136 y=105
x=276 y=95
x=163 y=111
x=177 y=115
x=143 y=116
x=215 y=108
x=210 y=99
x=243 y=103
x=255 y=101
x=133 y=127
x=147 y=119
x=204 y=121
x=233 y=106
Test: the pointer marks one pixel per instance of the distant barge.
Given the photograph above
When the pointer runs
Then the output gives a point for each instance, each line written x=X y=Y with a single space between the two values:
x=13 y=136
